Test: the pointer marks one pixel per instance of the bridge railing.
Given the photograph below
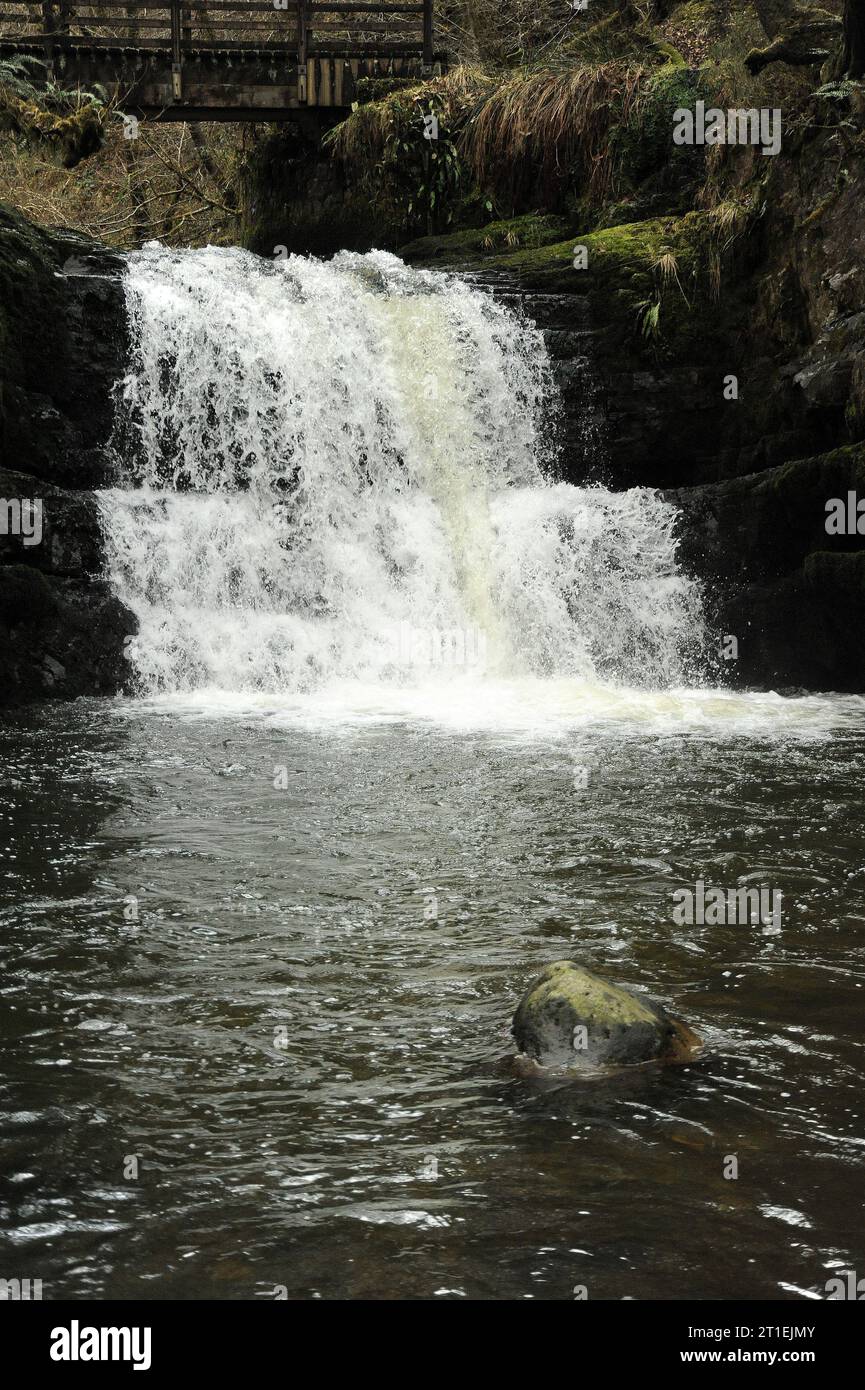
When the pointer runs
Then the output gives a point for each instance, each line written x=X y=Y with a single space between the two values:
x=302 y=28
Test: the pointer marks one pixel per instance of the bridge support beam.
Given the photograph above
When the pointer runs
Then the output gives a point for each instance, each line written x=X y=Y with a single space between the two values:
x=176 y=49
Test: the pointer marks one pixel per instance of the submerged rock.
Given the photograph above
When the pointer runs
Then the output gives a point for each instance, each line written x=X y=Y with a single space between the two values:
x=570 y=1018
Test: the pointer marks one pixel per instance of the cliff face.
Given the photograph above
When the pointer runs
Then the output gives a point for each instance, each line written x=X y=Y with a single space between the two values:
x=62 y=347
x=646 y=340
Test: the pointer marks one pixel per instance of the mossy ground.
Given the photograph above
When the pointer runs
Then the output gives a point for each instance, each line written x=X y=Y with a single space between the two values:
x=497 y=238
x=654 y=278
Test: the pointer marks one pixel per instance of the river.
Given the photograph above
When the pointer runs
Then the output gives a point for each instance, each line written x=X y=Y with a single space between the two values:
x=413 y=717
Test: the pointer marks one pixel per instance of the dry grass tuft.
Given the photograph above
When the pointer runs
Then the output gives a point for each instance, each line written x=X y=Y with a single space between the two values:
x=545 y=126
x=364 y=136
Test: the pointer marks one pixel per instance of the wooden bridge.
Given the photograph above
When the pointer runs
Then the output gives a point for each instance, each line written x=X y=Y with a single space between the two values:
x=230 y=60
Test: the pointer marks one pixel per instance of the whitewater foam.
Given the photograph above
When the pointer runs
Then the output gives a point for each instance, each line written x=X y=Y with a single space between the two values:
x=319 y=455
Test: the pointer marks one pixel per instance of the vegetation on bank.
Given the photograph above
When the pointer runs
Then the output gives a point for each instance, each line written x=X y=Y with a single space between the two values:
x=546 y=112
x=36 y=112
x=65 y=160
x=575 y=118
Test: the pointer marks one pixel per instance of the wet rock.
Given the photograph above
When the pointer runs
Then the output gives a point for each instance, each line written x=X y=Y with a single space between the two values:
x=791 y=594
x=62 y=348
x=571 y=1018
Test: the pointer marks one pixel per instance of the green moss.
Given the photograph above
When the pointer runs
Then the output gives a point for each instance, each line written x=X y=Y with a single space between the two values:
x=825 y=475
x=642 y=145
x=653 y=275
x=619 y=1028
x=70 y=123
x=497 y=238
x=591 y=998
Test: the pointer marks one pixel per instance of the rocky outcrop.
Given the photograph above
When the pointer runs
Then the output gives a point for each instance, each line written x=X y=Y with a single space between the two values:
x=720 y=357
x=572 y=1019
x=62 y=348
x=295 y=195
x=791 y=592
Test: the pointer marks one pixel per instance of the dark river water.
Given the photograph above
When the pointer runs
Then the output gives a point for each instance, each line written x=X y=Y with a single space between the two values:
x=257 y=982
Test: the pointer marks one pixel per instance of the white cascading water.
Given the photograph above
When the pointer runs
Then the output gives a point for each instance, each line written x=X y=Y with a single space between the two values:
x=331 y=463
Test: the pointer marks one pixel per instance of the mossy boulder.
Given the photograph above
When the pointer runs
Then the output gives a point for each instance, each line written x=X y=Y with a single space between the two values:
x=571 y=1018
x=500 y=237
x=630 y=267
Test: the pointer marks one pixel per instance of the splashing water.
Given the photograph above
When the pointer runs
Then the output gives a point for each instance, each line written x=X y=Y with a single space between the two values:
x=340 y=472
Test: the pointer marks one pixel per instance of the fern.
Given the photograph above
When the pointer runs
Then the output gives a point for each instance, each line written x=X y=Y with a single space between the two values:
x=19 y=76
x=35 y=110
x=840 y=91
x=16 y=77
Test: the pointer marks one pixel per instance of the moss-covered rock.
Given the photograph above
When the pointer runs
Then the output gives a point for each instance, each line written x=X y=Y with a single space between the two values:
x=73 y=134
x=571 y=1018
x=664 y=260
x=500 y=237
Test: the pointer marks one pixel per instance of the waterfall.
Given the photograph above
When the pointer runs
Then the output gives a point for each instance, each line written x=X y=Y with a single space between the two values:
x=344 y=470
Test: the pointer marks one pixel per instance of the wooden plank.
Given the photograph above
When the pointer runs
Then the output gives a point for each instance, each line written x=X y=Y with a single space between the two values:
x=205 y=93
x=310 y=82
x=75 y=44
x=338 y=77
x=136 y=24
x=189 y=22
x=306 y=22
x=79 y=45
x=343 y=8
x=176 y=54
x=261 y=7
x=326 y=98
x=366 y=27
x=384 y=50
x=220 y=6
